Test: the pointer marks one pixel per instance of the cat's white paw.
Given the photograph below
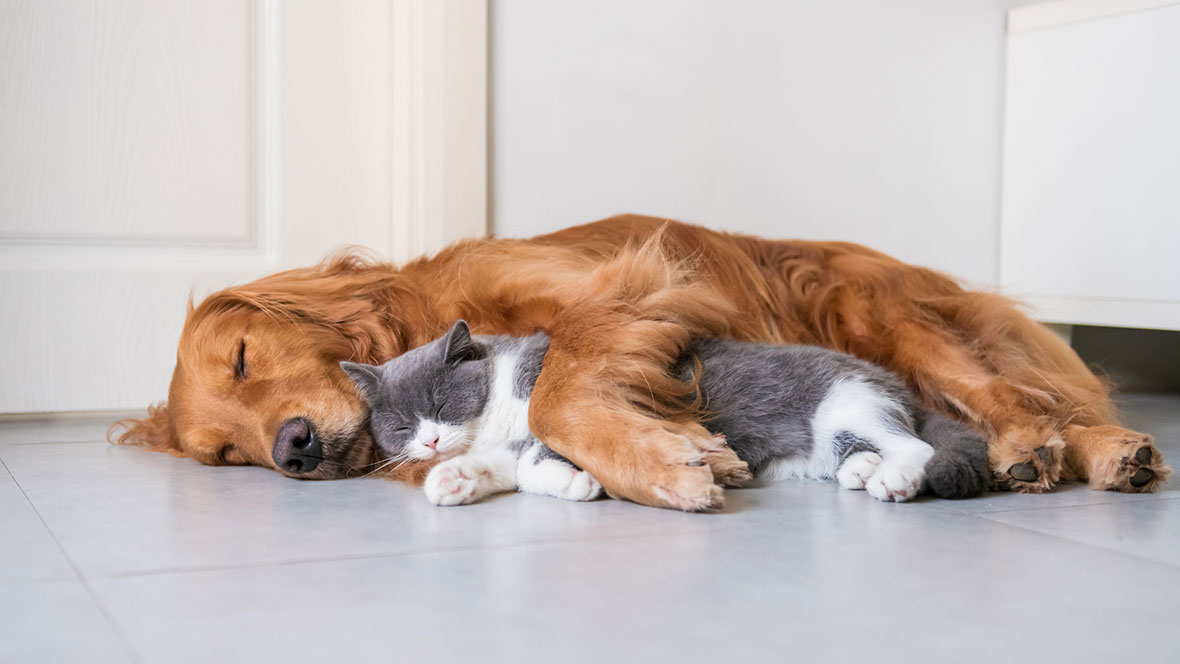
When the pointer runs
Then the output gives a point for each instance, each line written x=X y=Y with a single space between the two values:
x=856 y=470
x=896 y=482
x=449 y=484
x=583 y=487
x=551 y=477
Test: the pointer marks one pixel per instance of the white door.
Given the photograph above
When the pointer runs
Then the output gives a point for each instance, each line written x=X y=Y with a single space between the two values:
x=148 y=148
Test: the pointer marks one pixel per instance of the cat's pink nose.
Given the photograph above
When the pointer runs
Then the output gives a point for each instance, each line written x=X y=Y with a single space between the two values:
x=433 y=444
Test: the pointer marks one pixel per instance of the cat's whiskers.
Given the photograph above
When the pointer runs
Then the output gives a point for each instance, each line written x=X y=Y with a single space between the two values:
x=371 y=463
x=403 y=462
x=385 y=463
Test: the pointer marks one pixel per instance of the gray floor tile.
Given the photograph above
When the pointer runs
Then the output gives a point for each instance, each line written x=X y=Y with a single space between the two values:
x=27 y=550
x=1146 y=529
x=59 y=428
x=240 y=564
x=1065 y=495
x=125 y=511
x=55 y=622
x=885 y=585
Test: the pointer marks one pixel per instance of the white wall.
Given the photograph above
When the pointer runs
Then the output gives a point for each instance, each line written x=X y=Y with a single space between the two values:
x=877 y=122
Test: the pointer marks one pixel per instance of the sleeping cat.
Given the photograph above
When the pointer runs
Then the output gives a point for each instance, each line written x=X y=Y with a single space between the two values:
x=787 y=411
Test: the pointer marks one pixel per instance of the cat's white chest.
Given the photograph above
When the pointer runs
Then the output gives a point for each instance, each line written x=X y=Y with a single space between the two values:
x=506 y=417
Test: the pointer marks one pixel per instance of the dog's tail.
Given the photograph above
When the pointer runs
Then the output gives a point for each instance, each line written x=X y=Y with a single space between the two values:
x=959 y=467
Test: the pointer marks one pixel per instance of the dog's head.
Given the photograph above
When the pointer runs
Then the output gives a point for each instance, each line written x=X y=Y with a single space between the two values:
x=258 y=379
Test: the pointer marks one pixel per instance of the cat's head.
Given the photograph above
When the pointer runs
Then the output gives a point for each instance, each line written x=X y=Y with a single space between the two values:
x=423 y=403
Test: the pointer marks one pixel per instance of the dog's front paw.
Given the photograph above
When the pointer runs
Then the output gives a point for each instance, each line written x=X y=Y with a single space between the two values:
x=728 y=469
x=679 y=473
x=449 y=484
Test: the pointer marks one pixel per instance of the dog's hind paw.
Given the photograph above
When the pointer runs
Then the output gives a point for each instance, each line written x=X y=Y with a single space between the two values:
x=1020 y=464
x=1119 y=459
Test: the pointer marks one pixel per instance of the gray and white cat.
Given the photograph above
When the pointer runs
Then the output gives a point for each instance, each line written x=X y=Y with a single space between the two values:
x=787 y=411
x=465 y=400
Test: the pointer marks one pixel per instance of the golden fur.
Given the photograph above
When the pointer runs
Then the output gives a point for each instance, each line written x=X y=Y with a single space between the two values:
x=620 y=298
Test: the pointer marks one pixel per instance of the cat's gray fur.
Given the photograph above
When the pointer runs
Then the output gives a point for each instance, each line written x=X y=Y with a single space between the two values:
x=459 y=394
x=762 y=398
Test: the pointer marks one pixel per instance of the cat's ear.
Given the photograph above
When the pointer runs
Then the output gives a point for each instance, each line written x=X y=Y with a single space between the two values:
x=367 y=377
x=458 y=344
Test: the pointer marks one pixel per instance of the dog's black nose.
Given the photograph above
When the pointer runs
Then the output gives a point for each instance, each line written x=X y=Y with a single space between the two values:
x=297 y=450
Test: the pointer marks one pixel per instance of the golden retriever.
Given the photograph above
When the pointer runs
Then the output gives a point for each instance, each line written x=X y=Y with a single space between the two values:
x=257 y=379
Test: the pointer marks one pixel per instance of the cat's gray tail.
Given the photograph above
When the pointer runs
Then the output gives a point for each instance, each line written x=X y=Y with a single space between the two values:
x=958 y=468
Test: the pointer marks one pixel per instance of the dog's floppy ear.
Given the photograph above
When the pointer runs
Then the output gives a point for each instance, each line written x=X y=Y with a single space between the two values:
x=459 y=345
x=366 y=376
x=153 y=432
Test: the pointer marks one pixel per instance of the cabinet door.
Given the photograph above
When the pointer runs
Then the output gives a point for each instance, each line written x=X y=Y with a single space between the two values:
x=1091 y=200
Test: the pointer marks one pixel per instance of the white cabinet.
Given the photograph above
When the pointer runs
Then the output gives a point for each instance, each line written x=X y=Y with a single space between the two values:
x=1091 y=183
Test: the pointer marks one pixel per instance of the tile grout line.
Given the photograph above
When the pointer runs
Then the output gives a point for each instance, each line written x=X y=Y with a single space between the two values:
x=1076 y=542
x=373 y=556
x=98 y=604
x=1054 y=507
x=546 y=542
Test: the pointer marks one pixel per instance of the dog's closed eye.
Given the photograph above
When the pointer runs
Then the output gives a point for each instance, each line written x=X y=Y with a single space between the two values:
x=240 y=363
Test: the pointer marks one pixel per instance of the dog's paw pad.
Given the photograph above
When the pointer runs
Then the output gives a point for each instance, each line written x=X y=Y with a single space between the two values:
x=1141 y=477
x=1140 y=471
x=1034 y=470
x=1025 y=472
x=1144 y=455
